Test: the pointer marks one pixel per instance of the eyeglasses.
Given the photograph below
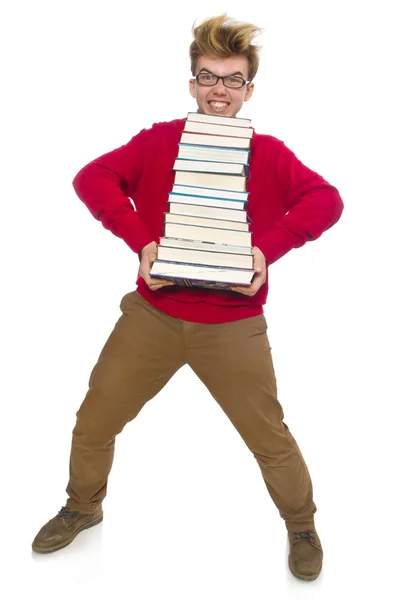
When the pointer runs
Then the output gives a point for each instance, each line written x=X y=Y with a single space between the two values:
x=230 y=81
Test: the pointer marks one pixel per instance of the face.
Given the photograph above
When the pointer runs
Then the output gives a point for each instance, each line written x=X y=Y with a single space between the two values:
x=218 y=99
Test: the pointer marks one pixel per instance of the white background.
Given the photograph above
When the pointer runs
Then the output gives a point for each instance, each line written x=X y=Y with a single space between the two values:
x=187 y=514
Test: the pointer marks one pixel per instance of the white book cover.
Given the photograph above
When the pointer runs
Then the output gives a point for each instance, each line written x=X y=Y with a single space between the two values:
x=211 y=212
x=221 y=141
x=205 y=201
x=232 y=121
x=223 y=274
x=213 y=153
x=202 y=257
x=207 y=234
x=205 y=246
x=205 y=222
x=210 y=128
x=211 y=180
x=189 y=190
x=205 y=166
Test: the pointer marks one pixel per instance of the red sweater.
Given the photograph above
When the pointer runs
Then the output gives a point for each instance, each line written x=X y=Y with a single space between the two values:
x=288 y=205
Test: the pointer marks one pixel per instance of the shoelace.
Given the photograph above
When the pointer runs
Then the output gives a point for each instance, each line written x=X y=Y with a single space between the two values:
x=66 y=512
x=306 y=536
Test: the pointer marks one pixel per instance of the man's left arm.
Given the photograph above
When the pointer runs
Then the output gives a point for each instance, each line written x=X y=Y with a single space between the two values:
x=312 y=207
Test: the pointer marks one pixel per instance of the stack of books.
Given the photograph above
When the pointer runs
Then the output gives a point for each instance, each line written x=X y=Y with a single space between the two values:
x=207 y=242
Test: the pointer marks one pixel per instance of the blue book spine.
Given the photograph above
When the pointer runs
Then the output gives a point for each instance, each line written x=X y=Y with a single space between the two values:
x=217 y=148
x=205 y=197
x=216 y=162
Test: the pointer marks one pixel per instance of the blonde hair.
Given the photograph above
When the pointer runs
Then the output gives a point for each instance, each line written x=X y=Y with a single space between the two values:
x=221 y=37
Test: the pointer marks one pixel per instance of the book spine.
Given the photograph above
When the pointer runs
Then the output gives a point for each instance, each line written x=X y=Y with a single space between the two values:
x=200 y=221
x=215 y=129
x=199 y=192
x=231 y=121
x=195 y=152
x=206 y=258
x=213 y=162
x=220 y=285
x=201 y=266
x=207 y=201
x=220 y=141
x=204 y=234
x=211 y=212
x=205 y=246
x=217 y=148
x=221 y=182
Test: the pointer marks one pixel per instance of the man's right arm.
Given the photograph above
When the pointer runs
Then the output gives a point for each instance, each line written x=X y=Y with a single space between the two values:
x=104 y=186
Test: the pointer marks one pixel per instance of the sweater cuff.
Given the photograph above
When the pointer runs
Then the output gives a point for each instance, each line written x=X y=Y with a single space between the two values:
x=276 y=242
x=134 y=233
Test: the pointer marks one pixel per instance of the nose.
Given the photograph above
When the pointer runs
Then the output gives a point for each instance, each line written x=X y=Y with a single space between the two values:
x=220 y=86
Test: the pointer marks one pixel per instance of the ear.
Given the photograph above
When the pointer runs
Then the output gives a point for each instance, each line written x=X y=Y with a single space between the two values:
x=192 y=88
x=248 y=92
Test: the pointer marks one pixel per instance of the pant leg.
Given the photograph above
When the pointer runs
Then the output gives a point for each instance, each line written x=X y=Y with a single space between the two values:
x=234 y=362
x=143 y=352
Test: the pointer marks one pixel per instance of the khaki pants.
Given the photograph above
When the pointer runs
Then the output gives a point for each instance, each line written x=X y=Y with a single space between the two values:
x=234 y=362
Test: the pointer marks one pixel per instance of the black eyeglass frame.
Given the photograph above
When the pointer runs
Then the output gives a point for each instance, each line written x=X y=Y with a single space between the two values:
x=223 y=77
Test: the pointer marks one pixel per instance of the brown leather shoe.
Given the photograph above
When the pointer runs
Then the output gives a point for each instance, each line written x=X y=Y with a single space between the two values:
x=62 y=529
x=306 y=554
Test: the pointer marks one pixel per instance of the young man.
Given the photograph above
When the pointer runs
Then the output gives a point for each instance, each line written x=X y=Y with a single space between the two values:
x=220 y=334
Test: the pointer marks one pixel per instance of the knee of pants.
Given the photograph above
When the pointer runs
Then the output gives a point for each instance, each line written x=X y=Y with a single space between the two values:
x=94 y=430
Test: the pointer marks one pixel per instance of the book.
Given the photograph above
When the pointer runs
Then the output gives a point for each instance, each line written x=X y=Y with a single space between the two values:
x=204 y=201
x=212 y=129
x=213 y=153
x=199 y=275
x=205 y=222
x=233 y=121
x=205 y=166
x=204 y=257
x=188 y=190
x=211 y=212
x=205 y=246
x=207 y=234
x=206 y=239
x=211 y=180
x=221 y=141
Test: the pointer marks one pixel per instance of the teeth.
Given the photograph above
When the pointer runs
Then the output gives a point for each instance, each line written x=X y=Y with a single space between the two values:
x=219 y=104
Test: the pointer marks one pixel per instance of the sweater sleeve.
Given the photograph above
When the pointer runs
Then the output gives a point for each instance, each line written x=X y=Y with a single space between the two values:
x=104 y=186
x=312 y=207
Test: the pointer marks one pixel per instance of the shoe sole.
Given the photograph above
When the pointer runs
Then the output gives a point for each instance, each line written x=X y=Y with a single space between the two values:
x=67 y=542
x=305 y=577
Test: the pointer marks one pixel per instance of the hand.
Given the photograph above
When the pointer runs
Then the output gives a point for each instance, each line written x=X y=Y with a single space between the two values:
x=149 y=255
x=259 y=277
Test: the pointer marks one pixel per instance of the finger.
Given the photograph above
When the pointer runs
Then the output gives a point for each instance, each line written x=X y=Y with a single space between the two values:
x=154 y=281
x=157 y=287
x=258 y=264
x=251 y=289
x=160 y=284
